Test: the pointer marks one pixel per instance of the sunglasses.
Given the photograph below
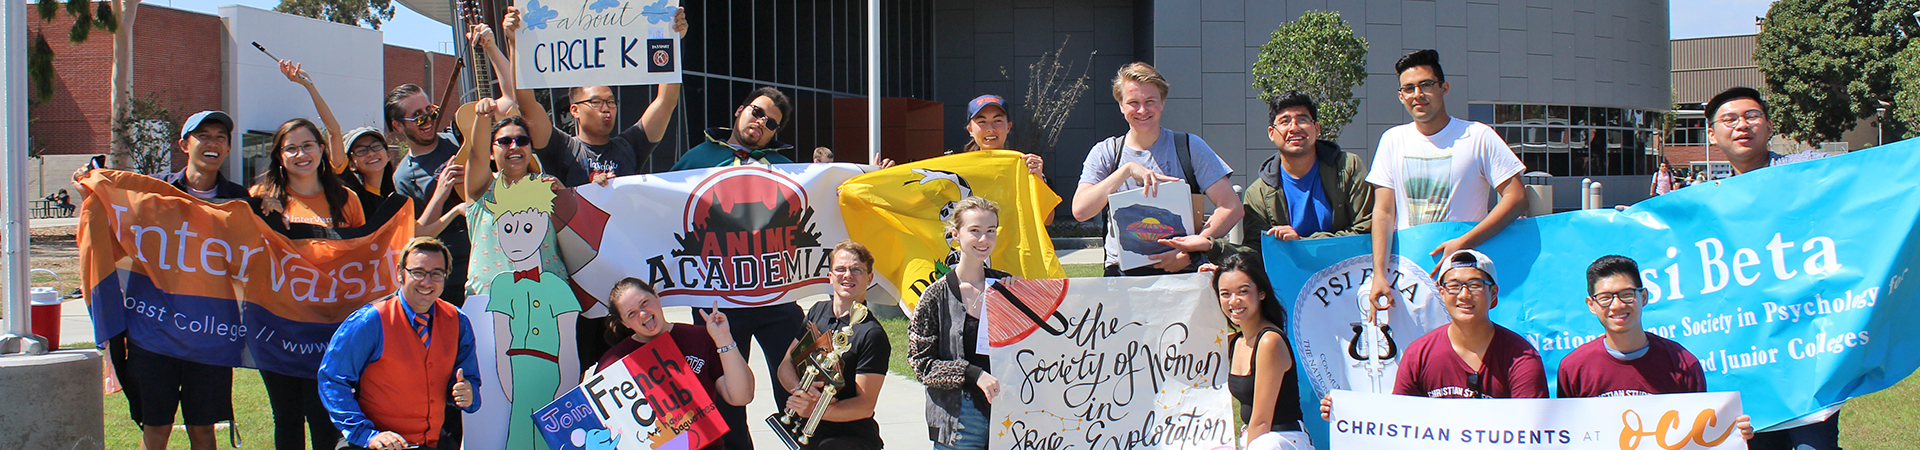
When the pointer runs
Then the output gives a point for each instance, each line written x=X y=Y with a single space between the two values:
x=514 y=141
x=431 y=114
x=761 y=114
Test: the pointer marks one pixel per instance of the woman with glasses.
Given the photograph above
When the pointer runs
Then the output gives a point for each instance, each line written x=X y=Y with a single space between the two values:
x=360 y=156
x=299 y=187
x=947 y=341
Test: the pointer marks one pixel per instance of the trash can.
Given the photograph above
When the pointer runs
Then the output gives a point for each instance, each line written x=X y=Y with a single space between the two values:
x=46 y=311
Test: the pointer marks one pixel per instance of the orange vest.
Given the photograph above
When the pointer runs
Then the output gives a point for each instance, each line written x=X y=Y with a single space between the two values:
x=406 y=390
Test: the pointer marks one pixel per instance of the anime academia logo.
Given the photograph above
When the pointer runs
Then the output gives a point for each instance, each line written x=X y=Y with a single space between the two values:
x=1339 y=348
x=749 y=236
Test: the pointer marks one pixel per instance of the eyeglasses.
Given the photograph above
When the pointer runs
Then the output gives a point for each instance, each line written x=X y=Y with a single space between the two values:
x=1471 y=286
x=1285 y=122
x=513 y=141
x=598 y=103
x=431 y=114
x=846 y=270
x=761 y=114
x=429 y=275
x=1731 y=120
x=305 y=147
x=1422 y=86
x=1627 y=296
x=365 y=150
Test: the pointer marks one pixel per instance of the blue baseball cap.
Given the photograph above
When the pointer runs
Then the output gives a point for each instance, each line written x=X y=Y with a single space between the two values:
x=193 y=123
x=973 y=107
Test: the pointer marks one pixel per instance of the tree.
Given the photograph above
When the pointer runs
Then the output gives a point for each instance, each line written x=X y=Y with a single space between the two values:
x=1319 y=56
x=147 y=131
x=350 y=12
x=1052 y=91
x=1830 y=63
x=1906 y=102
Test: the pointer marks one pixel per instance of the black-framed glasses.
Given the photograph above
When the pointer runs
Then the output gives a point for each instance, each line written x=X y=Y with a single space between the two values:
x=1730 y=120
x=365 y=150
x=431 y=114
x=761 y=114
x=514 y=141
x=1422 y=86
x=429 y=275
x=598 y=103
x=1473 y=286
x=1627 y=296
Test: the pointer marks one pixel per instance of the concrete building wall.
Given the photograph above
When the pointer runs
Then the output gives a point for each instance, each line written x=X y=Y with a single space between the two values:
x=260 y=98
x=1587 y=52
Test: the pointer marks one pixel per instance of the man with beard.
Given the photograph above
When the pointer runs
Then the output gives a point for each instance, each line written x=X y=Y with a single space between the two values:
x=750 y=141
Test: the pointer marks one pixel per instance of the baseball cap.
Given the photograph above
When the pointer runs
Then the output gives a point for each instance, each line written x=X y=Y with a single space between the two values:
x=1468 y=258
x=973 y=107
x=200 y=118
x=355 y=134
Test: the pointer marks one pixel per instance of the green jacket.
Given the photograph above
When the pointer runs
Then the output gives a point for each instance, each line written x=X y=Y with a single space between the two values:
x=1349 y=198
x=715 y=152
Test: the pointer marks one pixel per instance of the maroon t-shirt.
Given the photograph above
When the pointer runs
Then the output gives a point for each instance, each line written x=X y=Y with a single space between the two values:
x=696 y=345
x=1667 y=368
x=1510 y=369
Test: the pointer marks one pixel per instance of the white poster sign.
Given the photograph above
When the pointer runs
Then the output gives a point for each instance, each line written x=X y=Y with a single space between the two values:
x=1671 y=421
x=1112 y=363
x=1139 y=222
x=568 y=43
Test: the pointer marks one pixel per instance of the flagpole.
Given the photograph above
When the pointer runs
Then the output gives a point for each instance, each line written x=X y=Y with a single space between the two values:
x=873 y=81
x=19 y=338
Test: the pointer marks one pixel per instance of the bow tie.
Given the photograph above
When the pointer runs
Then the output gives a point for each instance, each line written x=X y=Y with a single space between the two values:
x=529 y=274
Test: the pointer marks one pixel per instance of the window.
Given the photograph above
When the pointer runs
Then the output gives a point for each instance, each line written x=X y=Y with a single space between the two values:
x=1574 y=140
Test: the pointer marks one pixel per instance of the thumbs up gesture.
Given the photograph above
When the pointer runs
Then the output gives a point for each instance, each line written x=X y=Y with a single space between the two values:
x=462 y=390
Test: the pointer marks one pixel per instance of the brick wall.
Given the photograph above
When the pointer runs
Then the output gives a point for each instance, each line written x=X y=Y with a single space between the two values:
x=176 y=59
x=406 y=65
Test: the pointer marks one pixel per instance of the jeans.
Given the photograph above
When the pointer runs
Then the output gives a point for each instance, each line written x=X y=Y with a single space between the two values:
x=775 y=327
x=973 y=428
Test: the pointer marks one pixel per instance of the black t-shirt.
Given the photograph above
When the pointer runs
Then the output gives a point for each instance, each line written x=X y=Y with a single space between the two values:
x=417 y=177
x=574 y=161
x=869 y=354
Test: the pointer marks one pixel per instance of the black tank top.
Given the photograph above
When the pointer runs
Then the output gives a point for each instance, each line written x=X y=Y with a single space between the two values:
x=1286 y=408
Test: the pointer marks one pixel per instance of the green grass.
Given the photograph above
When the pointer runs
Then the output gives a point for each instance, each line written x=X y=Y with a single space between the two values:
x=1084 y=270
x=250 y=410
x=897 y=337
x=1882 y=420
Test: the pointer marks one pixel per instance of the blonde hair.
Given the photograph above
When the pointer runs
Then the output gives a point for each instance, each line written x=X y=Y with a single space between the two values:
x=530 y=194
x=967 y=204
x=1139 y=72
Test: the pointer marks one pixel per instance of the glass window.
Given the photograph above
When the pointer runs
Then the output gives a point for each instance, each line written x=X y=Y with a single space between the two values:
x=1557 y=114
x=1506 y=114
x=1480 y=112
x=1533 y=114
x=1613 y=117
x=1599 y=116
x=1557 y=135
x=1580 y=116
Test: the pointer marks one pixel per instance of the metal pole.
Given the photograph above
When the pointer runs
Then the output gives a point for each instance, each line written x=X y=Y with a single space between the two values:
x=19 y=338
x=873 y=81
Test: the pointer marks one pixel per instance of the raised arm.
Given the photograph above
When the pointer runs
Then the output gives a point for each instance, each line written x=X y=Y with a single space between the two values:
x=539 y=126
x=661 y=110
x=479 y=179
x=336 y=150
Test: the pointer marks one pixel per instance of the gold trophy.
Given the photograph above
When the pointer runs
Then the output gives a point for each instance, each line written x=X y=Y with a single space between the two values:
x=817 y=359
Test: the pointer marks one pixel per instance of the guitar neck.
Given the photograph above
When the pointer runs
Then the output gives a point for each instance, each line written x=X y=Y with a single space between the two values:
x=482 y=73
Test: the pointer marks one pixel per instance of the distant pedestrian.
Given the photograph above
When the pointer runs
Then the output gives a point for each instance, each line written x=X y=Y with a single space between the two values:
x=822 y=155
x=1662 y=180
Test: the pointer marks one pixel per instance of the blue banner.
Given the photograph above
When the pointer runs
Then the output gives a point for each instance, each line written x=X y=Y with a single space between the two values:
x=1786 y=283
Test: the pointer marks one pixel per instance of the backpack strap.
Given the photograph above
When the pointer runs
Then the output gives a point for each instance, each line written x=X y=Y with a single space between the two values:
x=1182 y=151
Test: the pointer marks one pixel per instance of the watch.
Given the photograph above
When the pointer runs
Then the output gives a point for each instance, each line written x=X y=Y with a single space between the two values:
x=728 y=348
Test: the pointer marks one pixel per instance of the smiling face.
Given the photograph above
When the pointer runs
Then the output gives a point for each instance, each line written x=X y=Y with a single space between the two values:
x=849 y=277
x=512 y=159
x=1298 y=134
x=369 y=155
x=1744 y=138
x=1141 y=104
x=421 y=289
x=301 y=153
x=1619 y=317
x=520 y=236
x=640 y=311
x=752 y=131
x=989 y=129
x=978 y=232
x=207 y=147
x=1468 y=306
x=594 y=108
x=1240 y=299
x=419 y=132
x=1424 y=104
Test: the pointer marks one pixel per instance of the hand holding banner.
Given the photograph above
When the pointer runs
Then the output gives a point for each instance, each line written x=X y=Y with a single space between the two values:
x=651 y=400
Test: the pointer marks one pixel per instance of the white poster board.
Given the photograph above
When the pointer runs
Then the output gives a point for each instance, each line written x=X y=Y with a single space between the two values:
x=1138 y=222
x=568 y=43
x=1670 y=421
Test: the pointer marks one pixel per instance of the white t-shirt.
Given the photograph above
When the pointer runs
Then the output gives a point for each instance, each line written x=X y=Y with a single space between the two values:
x=1446 y=177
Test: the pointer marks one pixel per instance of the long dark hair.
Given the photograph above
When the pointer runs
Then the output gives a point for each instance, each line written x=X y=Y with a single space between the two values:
x=386 y=173
x=1249 y=264
x=273 y=182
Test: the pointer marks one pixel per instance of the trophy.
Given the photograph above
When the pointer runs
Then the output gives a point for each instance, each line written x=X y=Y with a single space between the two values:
x=816 y=359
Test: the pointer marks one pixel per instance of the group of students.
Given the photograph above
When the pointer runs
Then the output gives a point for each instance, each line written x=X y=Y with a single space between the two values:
x=366 y=392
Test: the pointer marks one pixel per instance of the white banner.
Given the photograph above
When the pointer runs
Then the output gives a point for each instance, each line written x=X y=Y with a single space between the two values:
x=568 y=43
x=1113 y=363
x=741 y=236
x=1671 y=422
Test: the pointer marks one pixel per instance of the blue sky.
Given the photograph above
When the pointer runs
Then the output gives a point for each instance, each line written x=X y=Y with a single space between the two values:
x=1688 y=19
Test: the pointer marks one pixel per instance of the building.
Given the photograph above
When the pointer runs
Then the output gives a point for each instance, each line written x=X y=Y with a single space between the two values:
x=188 y=62
x=1703 y=67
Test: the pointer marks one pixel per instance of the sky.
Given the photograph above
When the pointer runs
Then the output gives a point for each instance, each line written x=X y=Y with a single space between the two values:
x=1687 y=19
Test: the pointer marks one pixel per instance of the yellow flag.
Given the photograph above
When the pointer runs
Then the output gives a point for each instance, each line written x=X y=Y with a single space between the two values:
x=897 y=213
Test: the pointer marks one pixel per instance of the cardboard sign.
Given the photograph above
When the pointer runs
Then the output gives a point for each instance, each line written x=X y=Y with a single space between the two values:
x=568 y=43
x=652 y=400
